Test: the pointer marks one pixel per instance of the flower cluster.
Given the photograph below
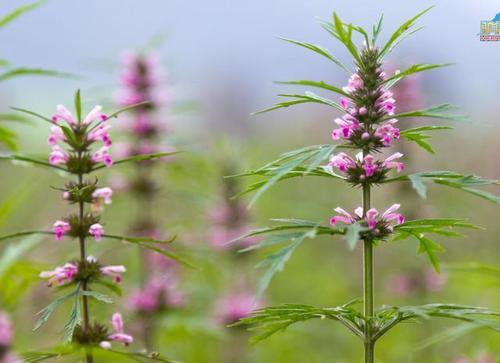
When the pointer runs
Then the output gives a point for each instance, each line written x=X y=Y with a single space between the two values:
x=80 y=135
x=98 y=334
x=378 y=226
x=365 y=169
x=89 y=270
x=368 y=125
x=141 y=79
x=6 y=337
x=158 y=294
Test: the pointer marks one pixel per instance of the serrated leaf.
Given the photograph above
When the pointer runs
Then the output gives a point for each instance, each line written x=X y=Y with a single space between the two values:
x=75 y=318
x=416 y=68
x=138 y=158
x=400 y=32
x=319 y=50
x=46 y=312
x=437 y=112
x=419 y=136
x=18 y=12
x=97 y=296
x=352 y=234
x=317 y=84
x=30 y=160
x=16 y=72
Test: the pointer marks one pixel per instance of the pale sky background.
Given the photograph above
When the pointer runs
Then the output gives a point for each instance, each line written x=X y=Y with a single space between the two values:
x=225 y=54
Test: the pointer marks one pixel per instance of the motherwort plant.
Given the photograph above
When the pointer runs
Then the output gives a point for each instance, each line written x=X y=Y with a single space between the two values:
x=80 y=148
x=142 y=80
x=369 y=124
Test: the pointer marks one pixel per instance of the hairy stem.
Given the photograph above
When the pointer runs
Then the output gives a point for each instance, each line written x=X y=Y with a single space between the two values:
x=85 y=303
x=368 y=284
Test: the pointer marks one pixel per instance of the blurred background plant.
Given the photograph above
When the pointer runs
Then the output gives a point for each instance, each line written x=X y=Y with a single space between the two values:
x=220 y=70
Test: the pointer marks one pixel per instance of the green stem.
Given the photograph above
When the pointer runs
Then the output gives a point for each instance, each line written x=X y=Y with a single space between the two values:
x=85 y=303
x=368 y=284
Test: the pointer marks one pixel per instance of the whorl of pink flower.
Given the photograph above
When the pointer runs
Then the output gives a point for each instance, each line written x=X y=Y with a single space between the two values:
x=105 y=194
x=235 y=306
x=60 y=275
x=114 y=271
x=6 y=333
x=60 y=228
x=158 y=293
x=390 y=162
x=348 y=124
x=58 y=155
x=97 y=231
x=102 y=155
x=63 y=114
x=101 y=133
x=119 y=335
x=56 y=134
x=355 y=82
x=386 y=103
x=387 y=132
x=372 y=216
x=342 y=161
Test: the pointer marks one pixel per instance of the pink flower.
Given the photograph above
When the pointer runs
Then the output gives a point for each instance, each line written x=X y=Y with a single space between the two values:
x=386 y=103
x=105 y=194
x=56 y=134
x=6 y=334
x=342 y=161
x=348 y=124
x=372 y=217
x=355 y=82
x=235 y=306
x=158 y=293
x=64 y=114
x=101 y=133
x=114 y=271
x=387 y=132
x=118 y=336
x=60 y=275
x=389 y=163
x=344 y=102
x=60 y=228
x=58 y=156
x=97 y=231
x=369 y=166
x=94 y=115
x=102 y=155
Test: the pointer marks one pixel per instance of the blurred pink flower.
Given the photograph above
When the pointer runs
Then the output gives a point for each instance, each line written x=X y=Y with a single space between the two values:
x=60 y=275
x=97 y=231
x=232 y=307
x=118 y=335
x=6 y=334
x=159 y=293
x=60 y=228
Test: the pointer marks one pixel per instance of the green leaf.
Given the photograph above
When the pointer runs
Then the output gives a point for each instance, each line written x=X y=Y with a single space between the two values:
x=352 y=234
x=420 y=228
x=287 y=165
x=13 y=117
x=22 y=234
x=18 y=12
x=129 y=108
x=308 y=97
x=33 y=72
x=437 y=112
x=419 y=136
x=75 y=318
x=78 y=105
x=8 y=139
x=466 y=183
x=46 y=312
x=401 y=32
x=110 y=285
x=343 y=32
x=148 y=244
x=30 y=160
x=32 y=113
x=321 y=51
x=416 y=68
x=387 y=317
x=138 y=158
x=320 y=84
x=273 y=319
x=376 y=30
x=97 y=296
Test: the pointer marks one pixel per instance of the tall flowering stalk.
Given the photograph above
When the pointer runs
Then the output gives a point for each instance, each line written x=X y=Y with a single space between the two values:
x=142 y=79
x=81 y=147
x=368 y=125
